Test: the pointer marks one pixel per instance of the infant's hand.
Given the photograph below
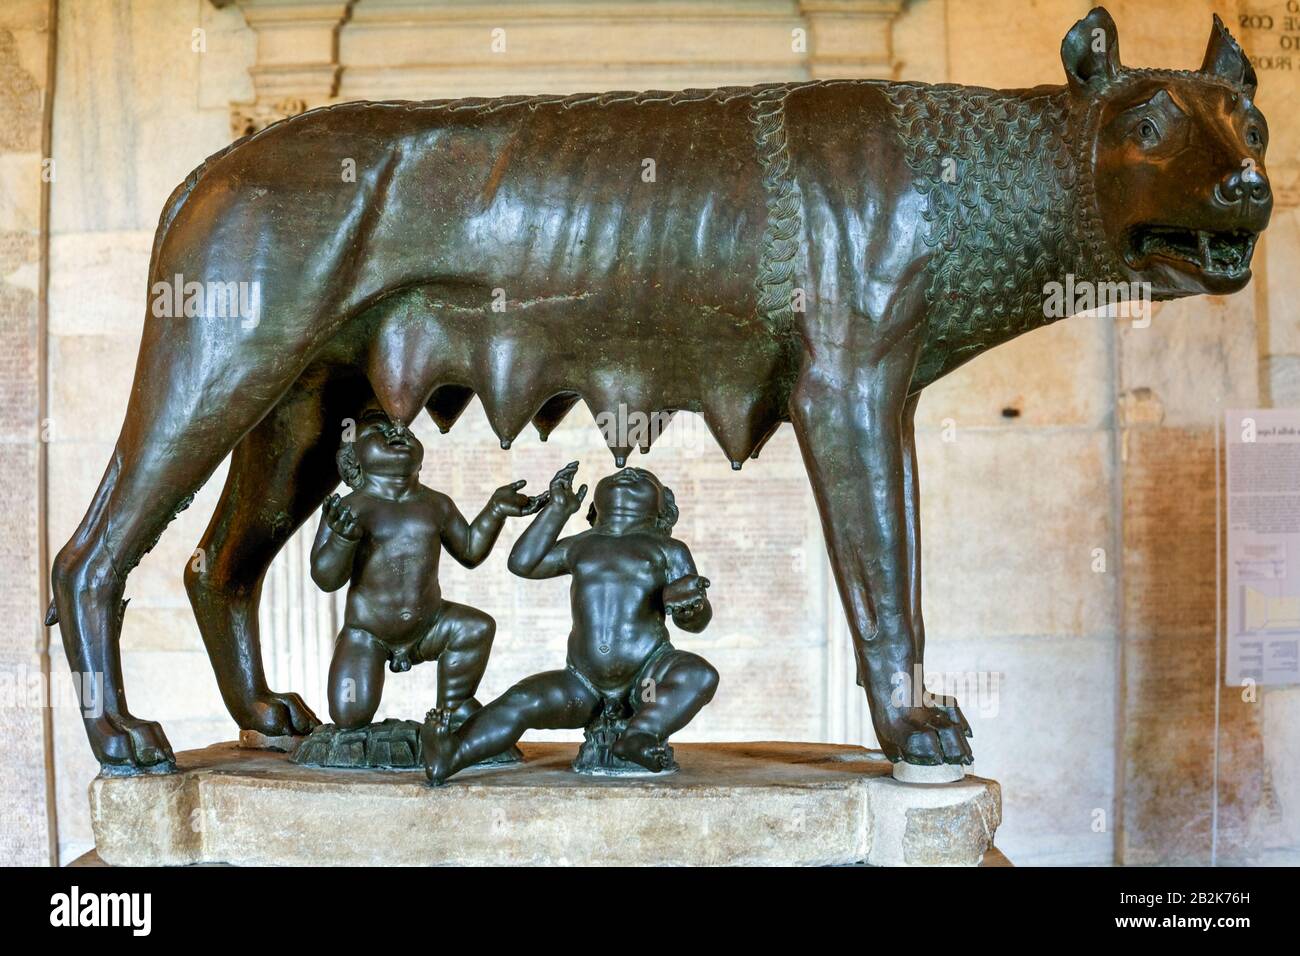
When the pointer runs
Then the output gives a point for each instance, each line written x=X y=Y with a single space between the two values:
x=341 y=520
x=686 y=594
x=507 y=501
x=562 y=493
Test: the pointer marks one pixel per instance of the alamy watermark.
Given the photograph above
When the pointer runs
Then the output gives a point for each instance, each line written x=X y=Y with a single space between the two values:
x=32 y=689
x=1122 y=300
x=626 y=427
x=979 y=691
x=75 y=908
x=211 y=299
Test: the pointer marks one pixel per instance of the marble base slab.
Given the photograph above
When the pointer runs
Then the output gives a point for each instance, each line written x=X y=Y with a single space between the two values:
x=730 y=804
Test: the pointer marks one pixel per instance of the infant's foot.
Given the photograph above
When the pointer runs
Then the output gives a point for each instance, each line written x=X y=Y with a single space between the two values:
x=438 y=745
x=644 y=749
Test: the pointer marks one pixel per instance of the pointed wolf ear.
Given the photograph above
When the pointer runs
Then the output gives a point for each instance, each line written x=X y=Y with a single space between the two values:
x=1090 y=51
x=1224 y=57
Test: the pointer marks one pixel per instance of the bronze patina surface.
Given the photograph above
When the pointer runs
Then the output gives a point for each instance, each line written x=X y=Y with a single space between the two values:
x=813 y=252
x=384 y=540
x=623 y=682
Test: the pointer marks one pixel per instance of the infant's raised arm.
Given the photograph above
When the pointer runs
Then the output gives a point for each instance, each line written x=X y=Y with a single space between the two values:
x=471 y=542
x=539 y=553
x=335 y=547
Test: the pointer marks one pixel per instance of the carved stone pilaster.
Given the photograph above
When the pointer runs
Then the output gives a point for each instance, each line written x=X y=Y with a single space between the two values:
x=297 y=59
x=851 y=38
x=313 y=52
x=246 y=118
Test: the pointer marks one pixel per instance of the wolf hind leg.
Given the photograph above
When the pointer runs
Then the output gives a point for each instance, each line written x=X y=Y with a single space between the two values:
x=280 y=473
x=148 y=481
x=183 y=418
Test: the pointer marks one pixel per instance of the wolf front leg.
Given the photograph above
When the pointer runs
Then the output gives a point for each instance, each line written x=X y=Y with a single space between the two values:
x=848 y=412
x=912 y=511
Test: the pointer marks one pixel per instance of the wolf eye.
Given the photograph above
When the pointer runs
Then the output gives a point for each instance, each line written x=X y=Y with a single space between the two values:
x=1254 y=138
x=1148 y=131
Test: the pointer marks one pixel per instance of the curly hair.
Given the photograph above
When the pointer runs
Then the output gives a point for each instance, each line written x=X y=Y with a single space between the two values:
x=668 y=513
x=349 y=468
x=1009 y=204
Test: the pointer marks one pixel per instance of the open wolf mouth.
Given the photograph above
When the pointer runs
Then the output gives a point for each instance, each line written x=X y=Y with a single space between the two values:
x=1216 y=252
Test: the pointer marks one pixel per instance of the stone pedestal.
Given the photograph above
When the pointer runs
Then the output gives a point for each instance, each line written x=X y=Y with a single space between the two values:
x=741 y=804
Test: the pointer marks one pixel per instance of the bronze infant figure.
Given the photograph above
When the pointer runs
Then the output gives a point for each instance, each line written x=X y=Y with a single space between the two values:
x=628 y=573
x=816 y=253
x=384 y=540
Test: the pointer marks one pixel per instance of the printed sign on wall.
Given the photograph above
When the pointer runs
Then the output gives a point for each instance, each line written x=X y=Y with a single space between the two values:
x=1263 y=553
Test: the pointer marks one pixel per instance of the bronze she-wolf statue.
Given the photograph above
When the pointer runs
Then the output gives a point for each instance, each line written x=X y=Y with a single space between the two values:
x=813 y=252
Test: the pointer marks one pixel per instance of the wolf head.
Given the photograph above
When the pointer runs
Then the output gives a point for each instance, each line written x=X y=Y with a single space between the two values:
x=1177 y=158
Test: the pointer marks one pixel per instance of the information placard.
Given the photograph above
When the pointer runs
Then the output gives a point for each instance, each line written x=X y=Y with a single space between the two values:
x=1263 y=548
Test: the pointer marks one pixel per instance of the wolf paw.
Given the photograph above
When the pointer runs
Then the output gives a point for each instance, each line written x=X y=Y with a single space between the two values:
x=928 y=736
x=279 y=715
x=126 y=744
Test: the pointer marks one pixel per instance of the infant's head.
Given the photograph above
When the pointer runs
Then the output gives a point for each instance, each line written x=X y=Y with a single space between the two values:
x=381 y=447
x=634 y=491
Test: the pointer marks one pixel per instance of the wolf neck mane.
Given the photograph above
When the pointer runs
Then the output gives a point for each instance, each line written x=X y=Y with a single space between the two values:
x=1010 y=207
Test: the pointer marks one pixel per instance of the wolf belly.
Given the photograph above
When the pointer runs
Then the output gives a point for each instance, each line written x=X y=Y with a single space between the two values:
x=567 y=260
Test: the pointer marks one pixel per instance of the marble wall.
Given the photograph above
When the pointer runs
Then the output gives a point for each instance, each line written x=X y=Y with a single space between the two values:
x=1094 y=687
x=25 y=35
x=1204 y=774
